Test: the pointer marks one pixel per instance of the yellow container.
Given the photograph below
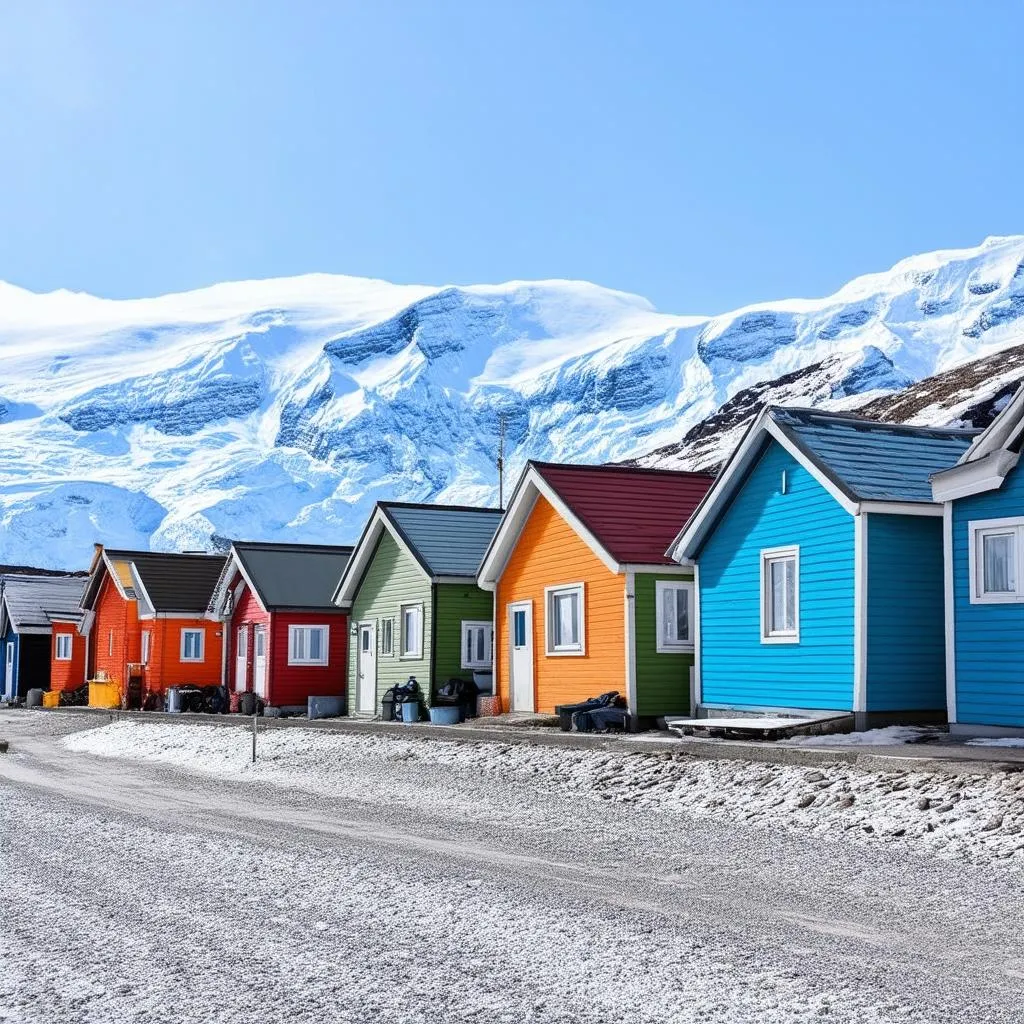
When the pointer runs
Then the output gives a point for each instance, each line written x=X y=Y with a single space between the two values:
x=51 y=698
x=104 y=695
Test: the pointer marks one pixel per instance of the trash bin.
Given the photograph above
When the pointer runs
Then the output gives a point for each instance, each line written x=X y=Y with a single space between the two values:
x=387 y=706
x=445 y=715
x=411 y=711
x=250 y=704
x=173 y=702
x=34 y=698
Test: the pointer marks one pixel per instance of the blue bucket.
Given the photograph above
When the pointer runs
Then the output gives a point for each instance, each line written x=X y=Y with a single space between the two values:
x=411 y=711
x=444 y=716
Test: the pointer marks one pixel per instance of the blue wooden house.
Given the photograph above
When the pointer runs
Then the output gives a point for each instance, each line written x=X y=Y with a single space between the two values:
x=983 y=496
x=819 y=571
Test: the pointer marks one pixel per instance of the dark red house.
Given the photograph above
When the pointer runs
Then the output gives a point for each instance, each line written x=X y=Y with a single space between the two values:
x=285 y=639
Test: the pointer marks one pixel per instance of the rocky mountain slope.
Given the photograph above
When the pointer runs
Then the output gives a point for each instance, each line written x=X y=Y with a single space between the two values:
x=284 y=408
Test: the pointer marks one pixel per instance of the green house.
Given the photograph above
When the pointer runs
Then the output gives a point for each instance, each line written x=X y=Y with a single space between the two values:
x=414 y=606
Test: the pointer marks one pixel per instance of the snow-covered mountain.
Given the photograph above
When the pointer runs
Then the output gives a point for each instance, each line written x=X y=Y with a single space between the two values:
x=284 y=408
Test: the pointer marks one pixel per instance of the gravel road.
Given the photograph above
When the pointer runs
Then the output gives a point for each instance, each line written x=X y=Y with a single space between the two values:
x=140 y=891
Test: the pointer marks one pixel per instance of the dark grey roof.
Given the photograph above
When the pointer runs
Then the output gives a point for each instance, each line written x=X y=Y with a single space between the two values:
x=35 y=601
x=448 y=540
x=873 y=461
x=173 y=582
x=293 y=575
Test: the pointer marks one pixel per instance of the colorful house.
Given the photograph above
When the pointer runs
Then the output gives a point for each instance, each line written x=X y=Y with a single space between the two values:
x=983 y=496
x=146 y=620
x=819 y=570
x=411 y=593
x=286 y=639
x=36 y=649
x=585 y=598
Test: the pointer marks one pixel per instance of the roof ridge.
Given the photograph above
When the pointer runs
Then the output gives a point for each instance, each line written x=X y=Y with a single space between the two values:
x=619 y=467
x=441 y=507
x=865 y=421
x=290 y=545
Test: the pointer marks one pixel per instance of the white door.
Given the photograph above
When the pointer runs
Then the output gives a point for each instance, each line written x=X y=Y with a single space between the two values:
x=366 y=663
x=259 y=661
x=9 y=688
x=520 y=636
x=241 y=658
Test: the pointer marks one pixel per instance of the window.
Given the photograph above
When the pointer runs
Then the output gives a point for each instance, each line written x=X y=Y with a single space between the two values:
x=780 y=596
x=387 y=637
x=674 y=615
x=192 y=644
x=412 y=631
x=563 y=621
x=110 y=644
x=476 y=644
x=307 y=645
x=64 y=646
x=996 y=557
x=519 y=628
x=145 y=647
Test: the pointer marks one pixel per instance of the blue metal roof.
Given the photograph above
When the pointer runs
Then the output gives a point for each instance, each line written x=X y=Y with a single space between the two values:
x=874 y=461
x=448 y=540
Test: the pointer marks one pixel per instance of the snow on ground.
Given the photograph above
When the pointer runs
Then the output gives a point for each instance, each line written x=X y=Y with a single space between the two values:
x=1005 y=741
x=889 y=736
x=978 y=818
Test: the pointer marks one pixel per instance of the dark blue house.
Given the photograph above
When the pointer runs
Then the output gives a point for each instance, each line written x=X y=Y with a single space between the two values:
x=984 y=549
x=819 y=570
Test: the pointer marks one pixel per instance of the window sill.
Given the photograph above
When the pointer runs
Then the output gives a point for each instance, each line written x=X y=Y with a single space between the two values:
x=192 y=661
x=308 y=664
x=676 y=649
x=781 y=639
x=566 y=654
x=410 y=657
x=997 y=599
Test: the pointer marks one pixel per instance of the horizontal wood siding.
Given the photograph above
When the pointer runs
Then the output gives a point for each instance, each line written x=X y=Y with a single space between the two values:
x=662 y=680
x=391 y=580
x=736 y=667
x=989 y=637
x=247 y=614
x=457 y=604
x=120 y=617
x=67 y=675
x=165 y=666
x=906 y=659
x=549 y=553
x=293 y=685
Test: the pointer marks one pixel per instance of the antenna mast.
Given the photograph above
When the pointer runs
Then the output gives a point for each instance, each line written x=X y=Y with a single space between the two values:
x=501 y=463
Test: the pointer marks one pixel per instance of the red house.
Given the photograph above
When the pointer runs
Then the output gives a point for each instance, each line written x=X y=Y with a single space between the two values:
x=287 y=641
x=147 y=624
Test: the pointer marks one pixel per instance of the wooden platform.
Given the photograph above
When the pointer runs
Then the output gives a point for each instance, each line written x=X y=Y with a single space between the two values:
x=746 y=726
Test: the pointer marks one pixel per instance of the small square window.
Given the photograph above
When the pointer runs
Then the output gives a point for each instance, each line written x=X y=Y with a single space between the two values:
x=997 y=561
x=192 y=644
x=64 y=644
x=674 y=616
x=780 y=595
x=564 y=619
x=307 y=645
x=477 y=639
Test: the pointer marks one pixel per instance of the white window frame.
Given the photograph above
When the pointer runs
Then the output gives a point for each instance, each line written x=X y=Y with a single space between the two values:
x=387 y=633
x=565 y=650
x=488 y=628
x=146 y=644
x=664 y=646
x=60 y=640
x=110 y=644
x=768 y=556
x=202 y=645
x=410 y=655
x=294 y=631
x=977 y=530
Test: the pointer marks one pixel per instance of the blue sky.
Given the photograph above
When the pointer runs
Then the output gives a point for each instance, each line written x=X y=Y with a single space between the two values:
x=705 y=155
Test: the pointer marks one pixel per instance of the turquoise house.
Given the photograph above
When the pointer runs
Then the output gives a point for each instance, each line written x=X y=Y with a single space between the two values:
x=983 y=496
x=819 y=571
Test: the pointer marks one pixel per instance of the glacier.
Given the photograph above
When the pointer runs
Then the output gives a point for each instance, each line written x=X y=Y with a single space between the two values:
x=282 y=409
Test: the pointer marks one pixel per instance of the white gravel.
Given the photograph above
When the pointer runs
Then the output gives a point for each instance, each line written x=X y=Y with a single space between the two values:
x=977 y=818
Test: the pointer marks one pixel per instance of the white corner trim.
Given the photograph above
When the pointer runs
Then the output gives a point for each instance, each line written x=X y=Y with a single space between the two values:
x=950 y=610
x=630 y=610
x=860 y=612
x=695 y=689
x=902 y=508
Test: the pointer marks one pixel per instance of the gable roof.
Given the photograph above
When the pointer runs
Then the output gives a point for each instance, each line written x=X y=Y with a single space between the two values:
x=32 y=603
x=988 y=461
x=625 y=514
x=864 y=464
x=446 y=541
x=162 y=582
x=285 y=576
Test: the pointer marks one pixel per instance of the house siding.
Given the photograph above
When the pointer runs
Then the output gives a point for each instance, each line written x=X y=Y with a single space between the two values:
x=67 y=675
x=662 y=680
x=989 y=638
x=905 y=619
x=457 y=604
x=737 y=669
x=548 y=553
x=120 y=617
x=247 y=614
x=392 y=579
x=165 y=666
x=293 y=685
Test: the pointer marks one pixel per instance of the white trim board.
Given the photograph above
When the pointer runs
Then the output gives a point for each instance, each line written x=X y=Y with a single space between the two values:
x=860 y=612
x=950 y=611
x=630 y=610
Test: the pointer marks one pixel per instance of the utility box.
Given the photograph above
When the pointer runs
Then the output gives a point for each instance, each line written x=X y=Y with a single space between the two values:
x=325 y=707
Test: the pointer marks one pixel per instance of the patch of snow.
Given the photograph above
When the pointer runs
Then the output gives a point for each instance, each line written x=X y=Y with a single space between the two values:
x=1004 y=741
x=890 y=735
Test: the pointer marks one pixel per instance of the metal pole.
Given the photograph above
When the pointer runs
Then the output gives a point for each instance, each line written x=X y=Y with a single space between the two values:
x=253 y=739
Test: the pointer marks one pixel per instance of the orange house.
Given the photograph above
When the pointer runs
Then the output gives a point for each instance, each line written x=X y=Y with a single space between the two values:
x=67 y=653
x=145 y=617
x=586 y=599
